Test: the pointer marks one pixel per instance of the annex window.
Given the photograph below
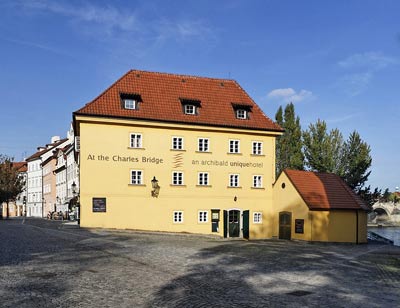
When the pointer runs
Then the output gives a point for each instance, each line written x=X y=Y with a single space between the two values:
x=257 y=217
x=234 y=180
x=177 y=143
x=234 y=146
x=136 y=140
x=257 y=181
x=177 y=178
x=178 y=216
x=203 y=216
x=136 y=177
x=203 y=178
x=204 y=145
x=257 y=148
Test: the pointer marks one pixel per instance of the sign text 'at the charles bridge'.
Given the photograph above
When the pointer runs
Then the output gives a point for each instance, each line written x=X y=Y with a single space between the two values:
x=156 y=160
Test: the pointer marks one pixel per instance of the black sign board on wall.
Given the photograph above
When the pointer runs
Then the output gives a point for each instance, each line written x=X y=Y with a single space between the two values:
x=99 y=204
x=299 y=225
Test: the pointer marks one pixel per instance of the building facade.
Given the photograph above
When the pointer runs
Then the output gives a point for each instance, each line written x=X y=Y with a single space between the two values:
x=167 y=152
x=35 y=177
x=49 y=184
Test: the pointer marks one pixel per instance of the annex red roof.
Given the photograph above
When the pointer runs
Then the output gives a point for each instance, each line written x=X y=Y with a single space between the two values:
x=324 y=191
x=160 y=100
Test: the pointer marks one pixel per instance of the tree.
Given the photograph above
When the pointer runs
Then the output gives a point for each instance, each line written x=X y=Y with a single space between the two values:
x=11 y=183
x=357 y=161
x=289 y=152
x=323 y=151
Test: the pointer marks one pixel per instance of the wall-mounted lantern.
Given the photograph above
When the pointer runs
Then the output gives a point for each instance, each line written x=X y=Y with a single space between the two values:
x=155 y=187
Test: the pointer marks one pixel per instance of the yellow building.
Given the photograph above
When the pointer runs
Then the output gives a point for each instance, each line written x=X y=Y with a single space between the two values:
x=166 y=152
x=177 y=153
x=320 y=207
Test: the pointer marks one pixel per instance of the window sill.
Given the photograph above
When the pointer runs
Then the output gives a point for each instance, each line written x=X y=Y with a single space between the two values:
x=257 y=155
x=204 y=186
x=257 y=223
x=204 y=152
x=176 y=185
x=258 y=188
x=240 y=187
x=177 y=150
x=139 y=185
x=129 y=148
x=231 y=153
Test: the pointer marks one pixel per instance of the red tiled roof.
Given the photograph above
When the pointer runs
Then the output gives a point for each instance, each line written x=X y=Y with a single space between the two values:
x=39 y=153
x=20 y=166
x=161 y=95
x=324 y=191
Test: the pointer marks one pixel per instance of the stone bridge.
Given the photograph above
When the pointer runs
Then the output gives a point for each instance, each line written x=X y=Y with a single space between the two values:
x=385 y=212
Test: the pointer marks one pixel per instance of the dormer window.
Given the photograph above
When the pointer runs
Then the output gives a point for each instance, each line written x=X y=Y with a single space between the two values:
x=241 y=114
x=130 y=104
x=242 y=110
x=130 y=101
x=190 y=109
x=190 y=106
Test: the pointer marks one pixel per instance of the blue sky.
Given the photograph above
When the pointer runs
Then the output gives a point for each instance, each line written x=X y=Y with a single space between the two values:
x=338 y=61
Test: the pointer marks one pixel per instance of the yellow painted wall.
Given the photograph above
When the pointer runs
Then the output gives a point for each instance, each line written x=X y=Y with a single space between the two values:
x=132 y=207
x=323 y=226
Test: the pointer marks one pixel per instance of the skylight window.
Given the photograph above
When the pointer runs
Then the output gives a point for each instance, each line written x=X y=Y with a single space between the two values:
x=130 y=104
x=190 y=109
x=242 y=110
x=241 y=114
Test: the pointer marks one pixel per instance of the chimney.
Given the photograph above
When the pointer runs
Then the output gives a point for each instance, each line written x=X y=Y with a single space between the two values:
x=55 y=139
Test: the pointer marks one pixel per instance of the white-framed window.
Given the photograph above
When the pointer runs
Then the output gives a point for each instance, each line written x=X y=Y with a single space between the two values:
x=136 y=140
x=178 y=216
x=234 y=146
x=177 y=143
x=189 y=109
x=257 y=181
x=257 y=148
x=241 y=114
x=204 y=145
x=257 y=217
x=203 y=178
x=130 y=104
x=203 y=216
x=234 y=180
x=177 y=178
x=136 y=177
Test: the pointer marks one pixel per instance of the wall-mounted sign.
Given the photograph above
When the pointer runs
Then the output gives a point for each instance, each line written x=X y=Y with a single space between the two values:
x=299 y=226
x=99 y=204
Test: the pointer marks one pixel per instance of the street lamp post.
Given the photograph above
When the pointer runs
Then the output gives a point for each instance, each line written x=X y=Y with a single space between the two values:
x=75 y=194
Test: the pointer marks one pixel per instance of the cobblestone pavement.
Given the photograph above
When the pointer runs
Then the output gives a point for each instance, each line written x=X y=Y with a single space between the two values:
x=51 y=264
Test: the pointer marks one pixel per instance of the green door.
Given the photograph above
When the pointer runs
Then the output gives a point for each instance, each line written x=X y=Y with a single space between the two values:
x=246 y=224
x=225 y=223
x=234 y=223
x=285 y=225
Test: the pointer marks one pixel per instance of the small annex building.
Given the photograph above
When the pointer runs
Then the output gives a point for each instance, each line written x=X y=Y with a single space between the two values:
x=314 y=206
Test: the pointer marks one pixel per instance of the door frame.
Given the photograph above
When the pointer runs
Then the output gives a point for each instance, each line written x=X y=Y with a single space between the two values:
x=279 y=223
x=240 y=222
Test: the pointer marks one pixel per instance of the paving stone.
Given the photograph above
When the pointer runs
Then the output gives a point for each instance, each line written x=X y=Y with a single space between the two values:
x=50 y=264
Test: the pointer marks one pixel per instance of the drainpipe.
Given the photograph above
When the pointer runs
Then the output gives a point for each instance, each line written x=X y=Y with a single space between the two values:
x=356 y=226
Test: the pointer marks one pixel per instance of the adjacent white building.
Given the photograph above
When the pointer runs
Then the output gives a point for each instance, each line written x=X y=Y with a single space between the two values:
x=34 y=187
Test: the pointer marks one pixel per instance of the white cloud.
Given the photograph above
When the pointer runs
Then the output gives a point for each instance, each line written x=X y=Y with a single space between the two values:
x=290 y=95
x=368 y=60
x=355 y=84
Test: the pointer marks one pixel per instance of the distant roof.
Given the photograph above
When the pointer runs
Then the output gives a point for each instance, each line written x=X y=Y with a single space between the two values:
x=21 y=166
x=324 y=191
x=51 y=147
x=161 y=95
